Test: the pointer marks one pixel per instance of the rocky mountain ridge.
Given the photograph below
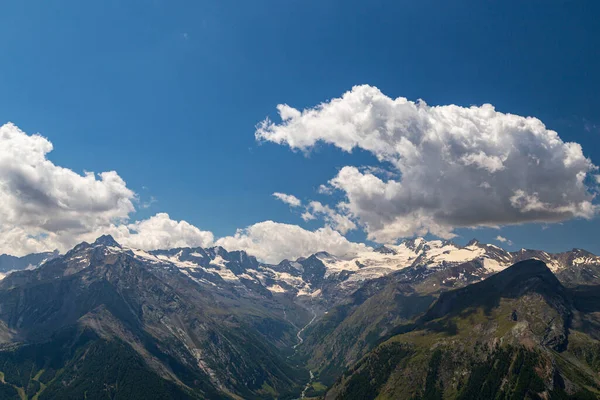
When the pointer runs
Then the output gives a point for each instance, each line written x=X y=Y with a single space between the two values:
x=327 y=278
x=196 y=339
x=10 y=263
x=212 y=323
x=517 y=334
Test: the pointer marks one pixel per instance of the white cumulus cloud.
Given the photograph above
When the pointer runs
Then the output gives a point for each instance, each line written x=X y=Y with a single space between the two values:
x=457 y=166
x=272 y=242
x=502 y=239
x=160 y=232
x=337 y=221
x=44 y=204
x=47 y=207
x=288 y=199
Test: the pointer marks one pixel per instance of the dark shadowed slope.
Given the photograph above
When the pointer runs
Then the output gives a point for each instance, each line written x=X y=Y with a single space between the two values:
x=99 y=320
x=514 y=335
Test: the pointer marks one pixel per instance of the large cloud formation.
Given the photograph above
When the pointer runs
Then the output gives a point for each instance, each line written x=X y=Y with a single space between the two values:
x=45 y=206
x=335 y=220
x=458 y=166
x=160 y=232
x=272 y=242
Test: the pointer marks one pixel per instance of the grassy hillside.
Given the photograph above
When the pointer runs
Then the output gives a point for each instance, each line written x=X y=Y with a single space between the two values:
x=508 y=337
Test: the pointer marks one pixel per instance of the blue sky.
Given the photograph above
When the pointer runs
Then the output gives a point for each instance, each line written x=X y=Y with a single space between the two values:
x=168 y=93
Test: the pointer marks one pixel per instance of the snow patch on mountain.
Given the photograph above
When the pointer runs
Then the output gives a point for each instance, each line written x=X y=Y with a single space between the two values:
x=276 y=289
x=324 y=275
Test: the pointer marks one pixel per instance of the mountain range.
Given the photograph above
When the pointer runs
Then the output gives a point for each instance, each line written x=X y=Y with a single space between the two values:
x=420 y=319
x=10 y=263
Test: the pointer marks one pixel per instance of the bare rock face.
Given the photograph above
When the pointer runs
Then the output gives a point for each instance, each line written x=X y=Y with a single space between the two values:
x=420 y=319
x=11 y=263
x=201 y=339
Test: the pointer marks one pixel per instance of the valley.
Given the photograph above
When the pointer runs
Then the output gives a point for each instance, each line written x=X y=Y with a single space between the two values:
x=390 y=323
x=300 y=200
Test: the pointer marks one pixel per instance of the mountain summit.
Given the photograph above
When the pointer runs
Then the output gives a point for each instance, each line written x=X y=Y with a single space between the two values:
x=193 y=323
x=103 y=321
x=514 y=335
x=106 y=240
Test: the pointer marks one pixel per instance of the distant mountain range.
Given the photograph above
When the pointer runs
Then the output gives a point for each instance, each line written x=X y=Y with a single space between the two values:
x=11 y=263
x=421 y=319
